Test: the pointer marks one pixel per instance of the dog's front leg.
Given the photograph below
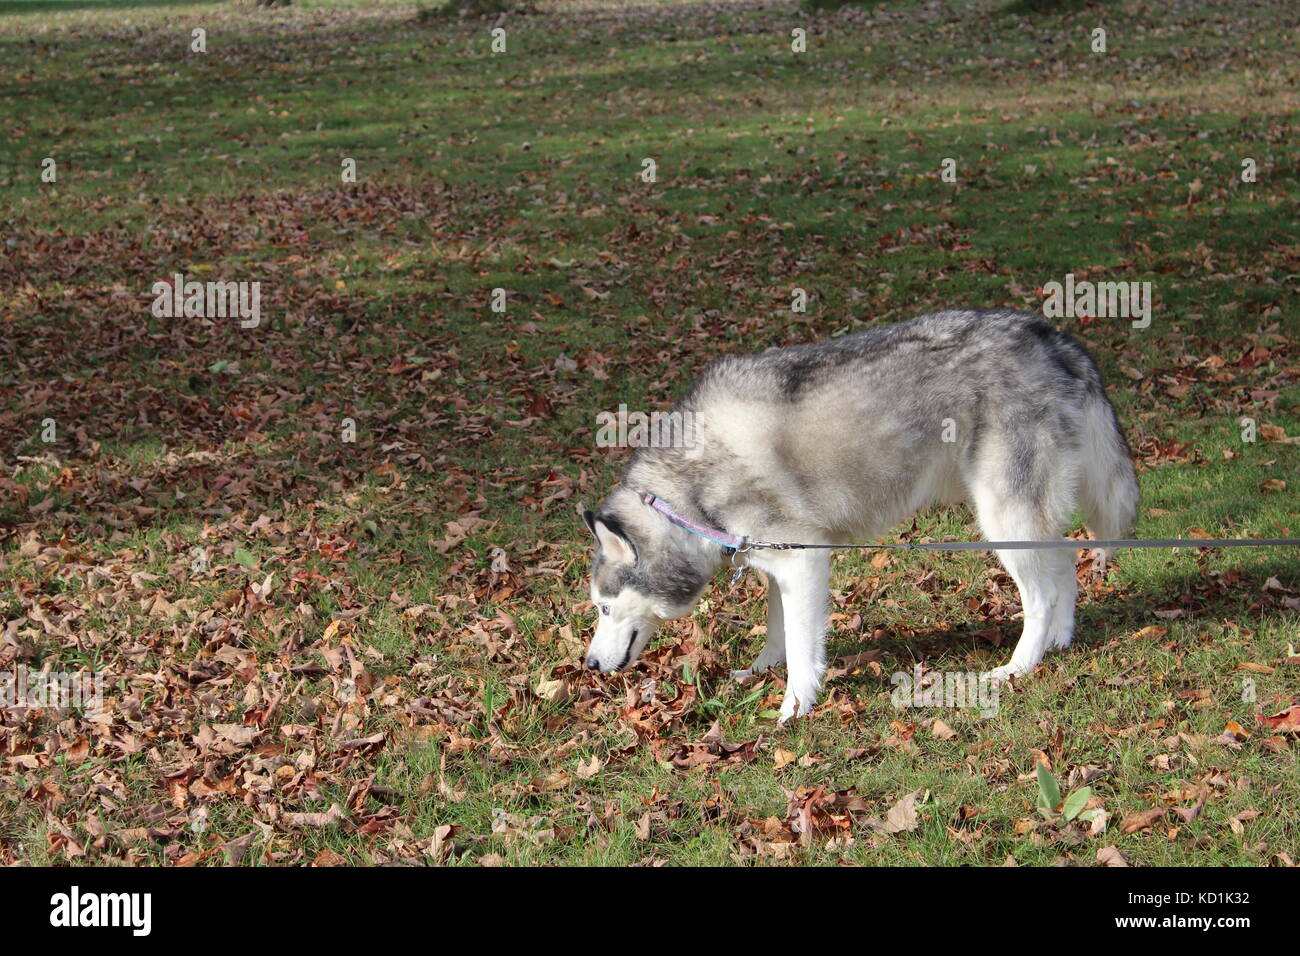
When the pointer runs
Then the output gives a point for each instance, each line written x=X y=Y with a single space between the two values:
x=773 y=652
x=803 y=578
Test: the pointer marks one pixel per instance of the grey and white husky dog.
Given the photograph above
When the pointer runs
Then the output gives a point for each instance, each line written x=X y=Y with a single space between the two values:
x=837 y=441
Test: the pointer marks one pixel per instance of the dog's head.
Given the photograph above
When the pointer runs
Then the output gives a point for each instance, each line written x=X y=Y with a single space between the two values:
x=638 y=581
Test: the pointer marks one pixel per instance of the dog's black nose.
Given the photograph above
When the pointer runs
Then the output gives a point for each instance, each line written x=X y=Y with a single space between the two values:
x=593 y=663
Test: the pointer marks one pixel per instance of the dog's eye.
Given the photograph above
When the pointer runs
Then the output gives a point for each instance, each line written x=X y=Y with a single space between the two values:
x=603 y=608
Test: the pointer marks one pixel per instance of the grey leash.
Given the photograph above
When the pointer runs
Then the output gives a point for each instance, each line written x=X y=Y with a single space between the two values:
x=740 y=544
x=1078 y=544
x=1075 y=543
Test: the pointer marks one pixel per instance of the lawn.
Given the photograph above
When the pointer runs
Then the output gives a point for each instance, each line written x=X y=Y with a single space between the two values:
x=330 y=566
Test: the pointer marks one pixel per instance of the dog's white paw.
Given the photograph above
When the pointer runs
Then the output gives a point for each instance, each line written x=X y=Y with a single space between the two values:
x=1000 y=675
x=760 y=666
x=1062 y=641
x=795 y=706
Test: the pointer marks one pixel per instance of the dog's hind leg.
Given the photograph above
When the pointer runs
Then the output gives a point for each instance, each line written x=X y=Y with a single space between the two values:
x=1045 y=578
x=1061 y=630
x=1048 y=607
x=773 y=652
x=803 y=578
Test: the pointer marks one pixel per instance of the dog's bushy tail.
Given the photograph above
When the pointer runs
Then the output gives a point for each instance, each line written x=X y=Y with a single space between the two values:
x=1109 y=492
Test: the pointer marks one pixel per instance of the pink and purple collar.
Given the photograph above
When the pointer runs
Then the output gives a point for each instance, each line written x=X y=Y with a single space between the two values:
x=736 y=542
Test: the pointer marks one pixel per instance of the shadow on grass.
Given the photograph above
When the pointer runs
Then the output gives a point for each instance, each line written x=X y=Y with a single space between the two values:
x=1097 y=622
x=1029 y=8
x=59 y=6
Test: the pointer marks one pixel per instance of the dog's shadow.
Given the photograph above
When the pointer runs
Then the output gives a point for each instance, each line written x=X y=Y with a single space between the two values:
x=1100 y=618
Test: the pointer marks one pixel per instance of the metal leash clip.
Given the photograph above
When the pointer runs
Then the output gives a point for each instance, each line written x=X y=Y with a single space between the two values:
x=738 y=570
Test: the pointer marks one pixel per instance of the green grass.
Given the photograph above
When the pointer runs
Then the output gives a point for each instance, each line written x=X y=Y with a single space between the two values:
x=521 y=171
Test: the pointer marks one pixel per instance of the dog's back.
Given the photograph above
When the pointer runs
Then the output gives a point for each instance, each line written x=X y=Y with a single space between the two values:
x=845 y=438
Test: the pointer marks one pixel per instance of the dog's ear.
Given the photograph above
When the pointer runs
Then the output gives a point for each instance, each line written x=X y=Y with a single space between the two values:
x=614 y=543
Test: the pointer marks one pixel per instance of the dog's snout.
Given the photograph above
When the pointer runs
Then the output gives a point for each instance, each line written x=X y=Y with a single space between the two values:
x=593 y=663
